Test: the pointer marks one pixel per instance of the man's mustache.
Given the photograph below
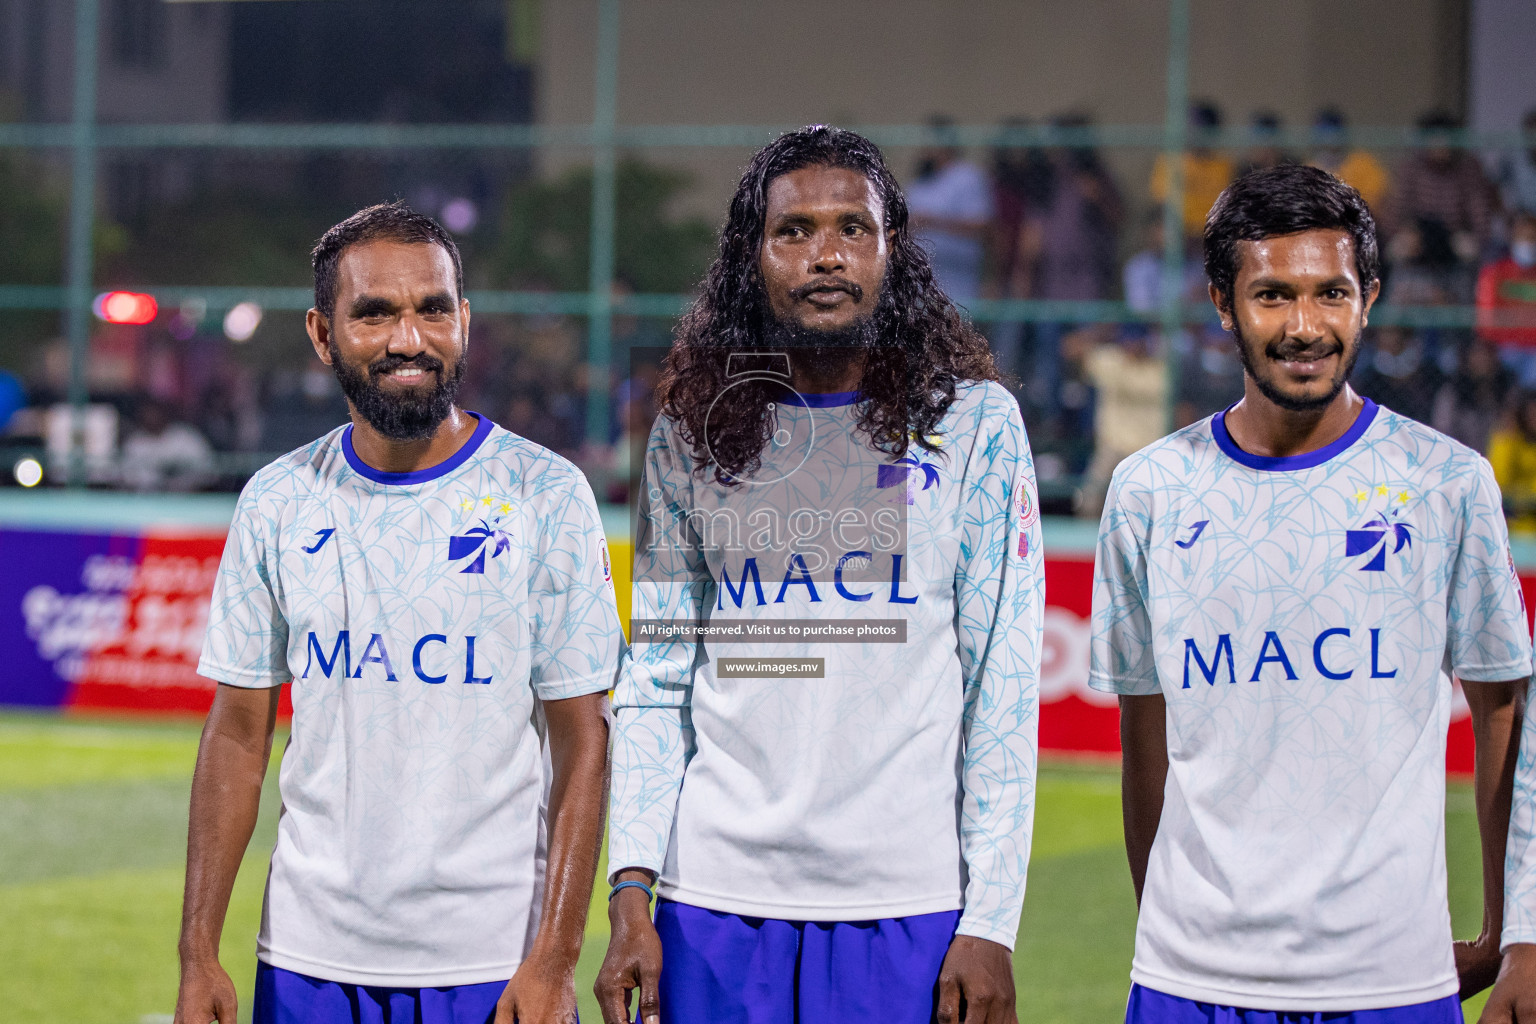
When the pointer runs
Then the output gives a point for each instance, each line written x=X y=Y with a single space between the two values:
x=1302 y=352
x=830 y=284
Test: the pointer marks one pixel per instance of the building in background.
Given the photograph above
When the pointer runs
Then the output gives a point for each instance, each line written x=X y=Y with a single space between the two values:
x=160 y=63
x=702 y=62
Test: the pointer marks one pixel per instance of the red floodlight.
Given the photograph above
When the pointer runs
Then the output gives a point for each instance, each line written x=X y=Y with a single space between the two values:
x=125 y=307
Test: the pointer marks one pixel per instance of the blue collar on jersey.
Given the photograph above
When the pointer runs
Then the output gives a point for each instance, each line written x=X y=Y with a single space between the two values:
x=829 y=400
x=1282 y=463
x=417 y=476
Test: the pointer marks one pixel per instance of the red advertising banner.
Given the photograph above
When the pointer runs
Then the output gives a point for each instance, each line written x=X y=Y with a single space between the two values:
x=108 y=622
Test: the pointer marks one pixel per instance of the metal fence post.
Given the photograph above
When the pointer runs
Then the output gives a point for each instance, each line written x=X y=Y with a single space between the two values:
x=1175 y=137
x=600 y=270
x=82 y=219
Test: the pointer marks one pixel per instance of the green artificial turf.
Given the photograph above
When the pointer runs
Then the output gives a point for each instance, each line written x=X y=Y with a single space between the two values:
x=93 y=832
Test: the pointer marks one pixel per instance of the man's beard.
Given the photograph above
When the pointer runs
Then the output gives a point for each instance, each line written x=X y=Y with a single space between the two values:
x=407 y=415
x=822 y=353
x=1290 y=349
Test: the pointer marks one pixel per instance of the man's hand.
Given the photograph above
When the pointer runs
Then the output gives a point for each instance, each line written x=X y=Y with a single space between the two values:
x=543 y=991
x=1477 y=964
x=976 y=983
x=206 y=994
x=633 y=960
x=1513 y=1000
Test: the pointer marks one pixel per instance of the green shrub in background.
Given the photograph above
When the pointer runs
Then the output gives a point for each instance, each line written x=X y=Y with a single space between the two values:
x=547 y=223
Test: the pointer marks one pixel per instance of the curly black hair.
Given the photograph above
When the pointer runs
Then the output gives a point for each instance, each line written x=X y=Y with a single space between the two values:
x=923 y=346
x=1282 y=201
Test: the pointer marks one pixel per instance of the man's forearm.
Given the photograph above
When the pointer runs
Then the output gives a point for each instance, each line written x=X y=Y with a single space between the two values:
x=226 y=799
x=1143 y=777
x=1496 y=720
x=578 y=794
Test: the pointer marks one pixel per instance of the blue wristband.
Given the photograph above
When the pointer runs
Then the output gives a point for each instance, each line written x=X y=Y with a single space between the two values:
x=649 y=895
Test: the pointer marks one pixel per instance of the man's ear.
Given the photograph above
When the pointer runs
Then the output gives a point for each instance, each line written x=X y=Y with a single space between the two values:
x=1223 y=306
x=319 y=330
x=1371 y=294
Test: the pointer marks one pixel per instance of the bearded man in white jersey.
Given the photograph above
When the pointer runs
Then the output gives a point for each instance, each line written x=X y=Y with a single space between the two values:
x=825 y=739
x=437 y=590
x=1282 y=593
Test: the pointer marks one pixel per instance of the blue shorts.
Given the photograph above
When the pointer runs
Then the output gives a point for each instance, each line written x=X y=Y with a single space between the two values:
x=1149 y=1006
x=727 y=969
x=285 y=997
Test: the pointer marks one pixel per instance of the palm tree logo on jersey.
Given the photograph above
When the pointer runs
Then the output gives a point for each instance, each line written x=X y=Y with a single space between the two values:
x=904 y=473
x=1373 y=536
x=476 y=541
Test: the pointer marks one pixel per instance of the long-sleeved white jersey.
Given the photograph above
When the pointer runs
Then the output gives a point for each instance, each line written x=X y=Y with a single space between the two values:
x=853 y=735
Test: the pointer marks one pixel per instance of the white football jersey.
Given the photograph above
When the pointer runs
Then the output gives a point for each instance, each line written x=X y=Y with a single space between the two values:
x=893 y=773
x=422 y=618
x=1300 y=615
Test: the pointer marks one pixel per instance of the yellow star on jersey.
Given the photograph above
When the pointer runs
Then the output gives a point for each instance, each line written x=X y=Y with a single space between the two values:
x=467 y=504
x=506 y=507
x=1361 y=495
x=1402 y=498
x=1381 y=489
x=486 y=500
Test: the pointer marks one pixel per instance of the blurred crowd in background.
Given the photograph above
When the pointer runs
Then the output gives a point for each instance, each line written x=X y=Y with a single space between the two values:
x=184 y=403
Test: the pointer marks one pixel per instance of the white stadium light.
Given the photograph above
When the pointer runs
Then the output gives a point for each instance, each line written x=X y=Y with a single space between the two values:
x=28 y=472
x=241 y=321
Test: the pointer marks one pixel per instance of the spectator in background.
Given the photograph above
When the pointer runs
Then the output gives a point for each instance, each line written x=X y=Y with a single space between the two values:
x=1265 y=151
x=1021 y=182
x=1423 y=267
x=1396 y=372
x=1355 y=167
x=1210 y=375
x=1069 y=245
x=1021 y=178
x=302 y=407
x=951 y=208
x=1470 y=402
x=162 y=455
x=1206 y=171
x=1506 y=300
x=1130 y=380
x=523 y=416
x=1142 y=278
x=1512 y=453
x=1517 y=173
x=1440 y=192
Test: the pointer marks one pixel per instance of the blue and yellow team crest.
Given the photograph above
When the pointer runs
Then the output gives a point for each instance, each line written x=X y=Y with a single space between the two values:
x=905 y=473
x=485 y=537
x=1376 y=534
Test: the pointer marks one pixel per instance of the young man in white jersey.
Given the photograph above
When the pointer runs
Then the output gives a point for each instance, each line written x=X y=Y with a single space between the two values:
x=825 y=738
x=1280 y=592
x=438 y=592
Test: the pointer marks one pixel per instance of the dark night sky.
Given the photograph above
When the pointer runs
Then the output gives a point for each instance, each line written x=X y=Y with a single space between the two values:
x=375 y=60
